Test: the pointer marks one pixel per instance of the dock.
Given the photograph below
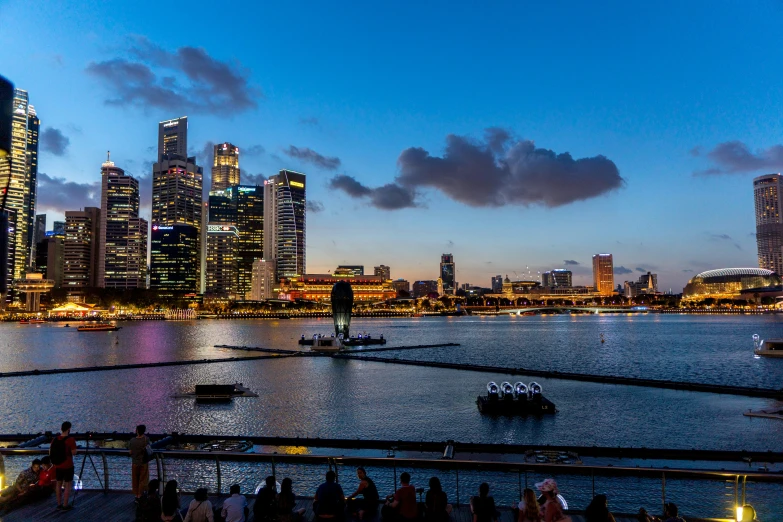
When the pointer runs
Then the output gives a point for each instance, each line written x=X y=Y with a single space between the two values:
x=117 y=506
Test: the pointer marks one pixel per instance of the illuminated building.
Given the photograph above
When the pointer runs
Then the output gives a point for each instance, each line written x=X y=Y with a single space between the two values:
x=225 y=166
x=122 y=259
x=221 y=262
x=173 y=249
x=603 y=274
x=38 y=235
x=33 y=285
x=769 y=221
x=58 y=227
x=728 y=283
x=383 y=271
x=400 y=286
x=19 y=173
x=558 y=277
x=285 y=223
x=257 y=291
x=497 y=284
x=318 y=287
x=425 y=288
x=81 y=250
x=447 y=271
x=49 y=258
x=511 y=288
x=176 y=202
x=647 y=284
x=356 y=270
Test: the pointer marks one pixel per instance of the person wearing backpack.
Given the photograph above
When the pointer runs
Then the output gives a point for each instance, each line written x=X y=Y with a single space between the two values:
x=140 y=452
x=61 y=451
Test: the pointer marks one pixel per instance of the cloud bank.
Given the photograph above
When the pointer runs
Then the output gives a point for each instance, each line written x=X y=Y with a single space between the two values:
x=54 y=141
x=310 y=156
x=735 y=157
x=621 y=270
x=387 y=197
x=187 y=79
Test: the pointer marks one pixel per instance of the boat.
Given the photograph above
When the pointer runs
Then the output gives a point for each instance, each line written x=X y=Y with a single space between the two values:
x=768 y=348
x=769 y=413
x=519 y=399
x=37 y=321
x=221 y=392
x=24 y=321
x=98 y=327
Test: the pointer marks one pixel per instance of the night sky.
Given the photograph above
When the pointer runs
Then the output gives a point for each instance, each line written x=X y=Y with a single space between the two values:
x=520 y=137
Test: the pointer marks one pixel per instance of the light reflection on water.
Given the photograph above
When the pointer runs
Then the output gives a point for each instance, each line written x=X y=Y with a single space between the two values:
x=329 y=398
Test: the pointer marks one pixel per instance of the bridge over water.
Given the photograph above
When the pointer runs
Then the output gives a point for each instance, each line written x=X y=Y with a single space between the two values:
x=566 y=308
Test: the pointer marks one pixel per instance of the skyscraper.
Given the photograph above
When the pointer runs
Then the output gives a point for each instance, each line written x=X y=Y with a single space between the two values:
x=122 y=259
x=81 y=250
x=603 y=274
x=225 y=166
x=176 y=202
x=173 y=138
x=497 y=284
x=284 y=224
x=769 y=221
x=383 y=271
x=447 y=271
x=19 y=173
x=221 y=262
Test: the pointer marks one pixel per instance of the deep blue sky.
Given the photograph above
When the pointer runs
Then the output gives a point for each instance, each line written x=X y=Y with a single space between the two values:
x=653 y=88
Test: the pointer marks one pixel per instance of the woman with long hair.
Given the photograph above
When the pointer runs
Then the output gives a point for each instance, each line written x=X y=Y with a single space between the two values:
x=169 y=502
x=529 y=511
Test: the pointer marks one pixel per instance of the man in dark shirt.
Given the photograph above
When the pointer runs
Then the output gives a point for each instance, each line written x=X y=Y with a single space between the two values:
x=404 y=502
x=140 y=470
x=329 y=500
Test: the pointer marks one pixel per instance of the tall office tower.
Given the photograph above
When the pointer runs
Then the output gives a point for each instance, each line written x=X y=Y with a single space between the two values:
x=122 y=261
x=557 y=278
x=383 y=271
x=49 y=258
x=225 y=166
x=176 y=202
x=19 y=174
x=497 y=284
x=447 y=270
x=250 y=225
x=38 y=235
x=170 y=246
x=603 y=274
x=257 y=280
x=222 y=207
x=221 y=262
x=769 y=221
x=284 y=223
x=58 y=228
x=81 y=249
x=10 y=256
x=173 y=138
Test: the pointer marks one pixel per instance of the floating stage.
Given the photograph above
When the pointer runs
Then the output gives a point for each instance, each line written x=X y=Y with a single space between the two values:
x=364 y=340
x=770 y=413
x=217 y=392
x=519 y=399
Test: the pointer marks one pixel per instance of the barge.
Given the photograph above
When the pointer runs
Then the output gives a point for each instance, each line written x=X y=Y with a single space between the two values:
x=519 y=399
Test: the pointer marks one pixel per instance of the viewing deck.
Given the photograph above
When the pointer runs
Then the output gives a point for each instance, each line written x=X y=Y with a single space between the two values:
x=118 y=506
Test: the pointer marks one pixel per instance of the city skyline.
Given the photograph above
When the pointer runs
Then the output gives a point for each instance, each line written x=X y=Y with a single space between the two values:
x=681 y=149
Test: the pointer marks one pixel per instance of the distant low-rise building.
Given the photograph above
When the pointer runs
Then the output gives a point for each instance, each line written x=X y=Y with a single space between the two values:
x=646 y=285
x=318 y=287
x=401 y=285
x=357 y=270
x=383 y=271
x=424 y=288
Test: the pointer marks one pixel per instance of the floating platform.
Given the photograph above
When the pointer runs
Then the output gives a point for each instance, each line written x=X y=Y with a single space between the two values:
x=353 y=341
x=217 y=392
x=519 y=399
x=770 y=413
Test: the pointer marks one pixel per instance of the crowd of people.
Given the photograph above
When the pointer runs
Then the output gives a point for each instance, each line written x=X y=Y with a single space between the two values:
x=277 y=502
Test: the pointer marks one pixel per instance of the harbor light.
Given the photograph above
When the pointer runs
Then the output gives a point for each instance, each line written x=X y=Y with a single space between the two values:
x=746 y=513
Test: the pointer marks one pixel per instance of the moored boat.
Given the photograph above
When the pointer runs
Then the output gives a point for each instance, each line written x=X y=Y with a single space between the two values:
x=98 y=327
x=768 y=348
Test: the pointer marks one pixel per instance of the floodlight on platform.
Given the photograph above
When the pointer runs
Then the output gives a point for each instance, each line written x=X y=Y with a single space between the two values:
x=535 y=388
x=520 y=388
x=507 y=388
x=492 y=388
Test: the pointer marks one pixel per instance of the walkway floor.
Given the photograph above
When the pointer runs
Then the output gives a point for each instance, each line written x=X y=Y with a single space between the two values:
x=95 y=506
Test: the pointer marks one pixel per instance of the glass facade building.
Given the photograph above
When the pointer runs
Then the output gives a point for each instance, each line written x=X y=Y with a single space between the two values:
x=447 y=274
x=603 y=274
x=769 y=221
x=225 y=166
x=174 y=254
x=285 y=214
x=558 y=277
x=729 y=282
x=221 y=262
x=81 y=250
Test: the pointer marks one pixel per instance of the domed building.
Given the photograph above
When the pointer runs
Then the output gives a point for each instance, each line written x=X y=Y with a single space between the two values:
x=729 y=283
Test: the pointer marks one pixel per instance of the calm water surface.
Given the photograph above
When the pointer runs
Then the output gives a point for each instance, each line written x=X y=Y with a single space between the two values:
x=319 y=397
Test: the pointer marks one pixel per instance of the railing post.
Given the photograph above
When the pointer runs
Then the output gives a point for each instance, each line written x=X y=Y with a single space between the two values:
x=457 y=488
x=274 y=474
x=592 y=475
x=663 y=490
x=219 y=478
x=519 y=477
x=736 y=490
x=105 y=473
x=163 y=471
x=744 y=482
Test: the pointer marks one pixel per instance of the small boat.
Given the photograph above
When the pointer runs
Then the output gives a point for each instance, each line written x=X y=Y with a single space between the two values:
x=221 y=392
x=98 y=327
x=24 y=321
x=769 y=413
x=768 y=348
x=37 y=321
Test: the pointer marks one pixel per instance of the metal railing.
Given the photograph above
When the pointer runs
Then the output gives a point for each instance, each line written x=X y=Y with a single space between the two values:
x=109 y=469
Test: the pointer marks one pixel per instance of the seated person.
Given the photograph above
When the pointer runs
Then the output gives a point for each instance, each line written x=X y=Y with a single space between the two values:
x=329 y=500
x=150 y=506
x=265 y=507
x=367 y=506
x=47 y=475
x=26 y=480
x=403 y=504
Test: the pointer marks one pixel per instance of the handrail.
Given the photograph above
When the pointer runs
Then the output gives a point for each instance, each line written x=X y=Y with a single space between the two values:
x=449 y=464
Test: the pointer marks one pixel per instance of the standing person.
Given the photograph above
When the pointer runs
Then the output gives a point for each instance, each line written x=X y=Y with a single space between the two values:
x=61 y=451
x=366 y=506
x=483 y=506
x=529 y=510
x=553 y=511
x=286 y=502
x=436 y=503
x=235 y=506
x=403 y=503
x=329 y=500
x=200 y=508
x=598 y=510
x=140 y=470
